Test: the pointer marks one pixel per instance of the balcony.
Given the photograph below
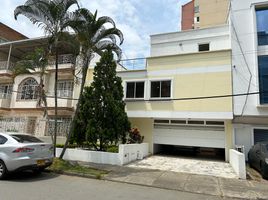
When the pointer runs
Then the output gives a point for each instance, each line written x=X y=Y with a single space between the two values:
x=64 y=99
x=5 y=100
x=64 y=61
x=132 y=64
x=5 y=68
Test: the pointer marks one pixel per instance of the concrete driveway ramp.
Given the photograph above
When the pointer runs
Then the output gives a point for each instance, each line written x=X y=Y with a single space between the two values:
x=186 y=165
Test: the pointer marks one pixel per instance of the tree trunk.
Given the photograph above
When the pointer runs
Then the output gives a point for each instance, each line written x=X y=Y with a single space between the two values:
x=56 y=103
x=71 y=130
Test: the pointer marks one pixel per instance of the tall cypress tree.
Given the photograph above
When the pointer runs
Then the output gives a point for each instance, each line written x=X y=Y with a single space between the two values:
x=102 y=110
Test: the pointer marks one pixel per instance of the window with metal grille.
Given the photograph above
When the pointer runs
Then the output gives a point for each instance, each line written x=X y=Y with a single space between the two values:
x=5 y=91
x=65 y=88
x=28 y=89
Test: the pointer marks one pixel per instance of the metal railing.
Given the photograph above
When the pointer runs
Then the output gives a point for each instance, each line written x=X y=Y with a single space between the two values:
x=4 y=65
x=5 y=96
x=133 y=64
x=63 y=59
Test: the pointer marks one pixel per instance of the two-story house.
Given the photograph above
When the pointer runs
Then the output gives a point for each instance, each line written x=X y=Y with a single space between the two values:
x=168 y=100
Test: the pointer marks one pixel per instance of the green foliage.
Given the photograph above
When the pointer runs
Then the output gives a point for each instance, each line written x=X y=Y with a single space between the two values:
x=134 y=136
x=102 y=118
x=112 y=149
x=61 y=166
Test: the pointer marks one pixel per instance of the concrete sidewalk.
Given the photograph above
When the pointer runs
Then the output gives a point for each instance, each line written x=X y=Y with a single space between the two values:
x=223 y=187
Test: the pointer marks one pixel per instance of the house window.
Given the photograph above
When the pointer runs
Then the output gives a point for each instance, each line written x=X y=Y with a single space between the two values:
x=263 y=79
x=160 y=89
x=260 y=135
x=65 y=88
x=196 y=9
x=28 y=89
x=5 y=91
x=197 y=19
x=262 y=25
x=135 y=90
x=203 y=47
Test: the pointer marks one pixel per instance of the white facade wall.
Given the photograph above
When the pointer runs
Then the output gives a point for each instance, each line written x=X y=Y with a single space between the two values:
x=244 y=57
x=248 y=112
x=187 y=41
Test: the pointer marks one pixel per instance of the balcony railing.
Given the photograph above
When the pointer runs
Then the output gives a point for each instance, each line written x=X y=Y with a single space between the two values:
x=5 y=95
x=4 y=65
x=65 y=93
x=133 y=64
x=63 y=59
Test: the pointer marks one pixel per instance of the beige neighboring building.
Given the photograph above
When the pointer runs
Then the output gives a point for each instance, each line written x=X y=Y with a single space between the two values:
x=19 y=111
x=207 y=13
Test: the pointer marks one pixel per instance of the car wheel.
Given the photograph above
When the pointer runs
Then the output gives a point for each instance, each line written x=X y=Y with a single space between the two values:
x=38 y=171
x=3 y=170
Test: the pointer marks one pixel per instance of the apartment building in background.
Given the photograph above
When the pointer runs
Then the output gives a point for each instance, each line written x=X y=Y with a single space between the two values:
x=204 y=13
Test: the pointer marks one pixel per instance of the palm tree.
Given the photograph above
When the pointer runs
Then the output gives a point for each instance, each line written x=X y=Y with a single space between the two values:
x=94 y=37
x=52 y=16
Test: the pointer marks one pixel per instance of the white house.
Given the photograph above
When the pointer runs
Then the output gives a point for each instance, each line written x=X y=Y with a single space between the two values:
x=249 y=39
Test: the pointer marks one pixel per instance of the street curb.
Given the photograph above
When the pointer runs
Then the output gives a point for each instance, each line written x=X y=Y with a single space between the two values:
x=77 y=174
x=103 y=178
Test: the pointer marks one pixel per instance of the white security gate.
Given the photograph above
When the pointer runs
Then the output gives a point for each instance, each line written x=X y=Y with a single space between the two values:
x=212 y=137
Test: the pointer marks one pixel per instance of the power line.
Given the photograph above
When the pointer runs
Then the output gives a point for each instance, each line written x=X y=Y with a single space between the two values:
x=168 y=99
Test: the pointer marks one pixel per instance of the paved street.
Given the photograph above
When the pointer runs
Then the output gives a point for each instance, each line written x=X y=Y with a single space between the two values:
x=27 y=186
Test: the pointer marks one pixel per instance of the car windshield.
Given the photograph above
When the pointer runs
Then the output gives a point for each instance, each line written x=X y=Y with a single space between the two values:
x=26 y=139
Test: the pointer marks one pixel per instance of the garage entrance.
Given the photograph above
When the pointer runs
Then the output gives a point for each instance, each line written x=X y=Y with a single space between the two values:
x=191 y=138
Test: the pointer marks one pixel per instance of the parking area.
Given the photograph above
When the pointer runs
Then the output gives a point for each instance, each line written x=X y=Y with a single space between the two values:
x=186 y=165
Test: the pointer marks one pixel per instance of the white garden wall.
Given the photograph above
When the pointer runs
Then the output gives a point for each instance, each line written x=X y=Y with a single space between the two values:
x=127 y=153
x=237 y=161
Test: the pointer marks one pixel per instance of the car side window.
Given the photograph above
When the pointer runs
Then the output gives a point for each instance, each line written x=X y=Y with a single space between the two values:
x=2 y=140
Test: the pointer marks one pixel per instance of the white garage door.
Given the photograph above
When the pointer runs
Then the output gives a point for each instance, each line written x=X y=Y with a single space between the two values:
x=189 y=136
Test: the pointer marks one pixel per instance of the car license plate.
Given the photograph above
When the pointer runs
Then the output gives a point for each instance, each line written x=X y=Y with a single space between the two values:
x=41 y=162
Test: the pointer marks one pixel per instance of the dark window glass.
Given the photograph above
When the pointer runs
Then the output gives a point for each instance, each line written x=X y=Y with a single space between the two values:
x=214 y=123
x=130 y=90
x=260 y=135
x=2 y=139
x=195 y=122
x=165 y=88
x=26 y=139
x=155 y=89
x=178 y=121
x=135 y=90
x=263 y=78
x=262 y=26
x=203 y=47
x=139 y=89
x=161 y=121
x=160 y=89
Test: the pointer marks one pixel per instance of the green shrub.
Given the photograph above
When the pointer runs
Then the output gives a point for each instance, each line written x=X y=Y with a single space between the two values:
x=112 y=149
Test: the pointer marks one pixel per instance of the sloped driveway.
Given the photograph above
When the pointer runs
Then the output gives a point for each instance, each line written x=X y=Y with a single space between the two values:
x=186 y=165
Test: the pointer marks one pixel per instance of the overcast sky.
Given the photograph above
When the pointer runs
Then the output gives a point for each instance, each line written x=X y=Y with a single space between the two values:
x=137 y=19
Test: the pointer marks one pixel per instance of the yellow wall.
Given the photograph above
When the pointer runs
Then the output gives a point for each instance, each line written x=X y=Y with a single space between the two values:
x=145 y=126
x=191 y=85
x=229 y=138
x=212 y=12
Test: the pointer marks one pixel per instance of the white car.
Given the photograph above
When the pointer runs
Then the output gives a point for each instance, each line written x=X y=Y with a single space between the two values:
x=22 y=152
